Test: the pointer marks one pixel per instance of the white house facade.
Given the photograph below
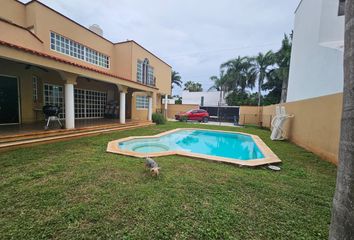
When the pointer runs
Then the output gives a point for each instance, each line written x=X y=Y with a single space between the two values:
x=316 y=67
x=209 y=99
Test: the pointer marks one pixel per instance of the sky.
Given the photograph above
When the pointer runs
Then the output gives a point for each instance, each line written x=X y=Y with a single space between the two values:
x=193 y=36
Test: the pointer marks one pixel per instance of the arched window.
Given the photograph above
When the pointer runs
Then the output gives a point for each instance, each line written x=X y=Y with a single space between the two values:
x=145 y=73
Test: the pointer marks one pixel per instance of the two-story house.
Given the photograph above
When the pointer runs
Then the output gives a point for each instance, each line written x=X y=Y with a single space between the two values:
x=48 y=59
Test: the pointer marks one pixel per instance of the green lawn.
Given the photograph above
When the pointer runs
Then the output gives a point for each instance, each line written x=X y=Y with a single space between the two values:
x=75 y=190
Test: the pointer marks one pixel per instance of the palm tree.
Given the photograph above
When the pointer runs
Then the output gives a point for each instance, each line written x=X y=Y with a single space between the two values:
x=342 y=222
x=273 y=86
x=282 y=58
x=219 y=83
x=176 y=79
x=193 y=86
x=240 y=74
x=262 y=64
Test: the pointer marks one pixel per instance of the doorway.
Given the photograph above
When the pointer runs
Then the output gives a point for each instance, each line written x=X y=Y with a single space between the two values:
x=9 y=100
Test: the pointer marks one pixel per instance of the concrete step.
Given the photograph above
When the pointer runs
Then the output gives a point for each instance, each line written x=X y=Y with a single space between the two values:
x=58 y=132
x=69 y=135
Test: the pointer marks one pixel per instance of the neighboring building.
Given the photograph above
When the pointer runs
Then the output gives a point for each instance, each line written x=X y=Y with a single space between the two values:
x=169 y=100
x=316 y=67
x=47 y=58
x=203 y=98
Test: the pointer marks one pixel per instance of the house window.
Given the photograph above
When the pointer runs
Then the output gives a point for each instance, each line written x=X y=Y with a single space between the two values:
x=69 y=47
x=142 y=102
x=341 y=8
x=150 y=76
x=145 y=73
x=54 y=96
x=35 y=88
x=89 y=103
x=139 y=72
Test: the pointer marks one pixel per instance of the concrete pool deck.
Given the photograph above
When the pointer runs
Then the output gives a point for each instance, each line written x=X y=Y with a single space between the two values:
x=269 y=155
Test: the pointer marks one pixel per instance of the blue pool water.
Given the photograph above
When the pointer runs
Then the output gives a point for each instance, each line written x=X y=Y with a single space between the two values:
x=208 y=142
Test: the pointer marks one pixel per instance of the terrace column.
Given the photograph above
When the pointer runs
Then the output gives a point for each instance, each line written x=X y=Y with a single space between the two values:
x=122 y=107
x=69 y=106
x=166 y=99
x=150 y=109
x=70 y=81
x=122 y=95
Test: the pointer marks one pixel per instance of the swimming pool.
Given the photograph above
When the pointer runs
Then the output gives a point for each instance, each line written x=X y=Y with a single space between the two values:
x=224 y=146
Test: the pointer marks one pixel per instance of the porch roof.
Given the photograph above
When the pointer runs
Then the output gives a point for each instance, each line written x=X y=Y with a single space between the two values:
x=51 y=57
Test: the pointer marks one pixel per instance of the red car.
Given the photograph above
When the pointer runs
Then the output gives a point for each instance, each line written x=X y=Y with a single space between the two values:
x=194 y=114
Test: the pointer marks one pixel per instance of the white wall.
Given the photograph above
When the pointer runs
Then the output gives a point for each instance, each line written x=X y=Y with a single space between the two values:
x=316 y=66
x=169 y=101
x=210 y=98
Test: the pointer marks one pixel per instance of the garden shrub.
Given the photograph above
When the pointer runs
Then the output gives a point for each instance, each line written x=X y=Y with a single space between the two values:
x=158 y=118
x=183 y=119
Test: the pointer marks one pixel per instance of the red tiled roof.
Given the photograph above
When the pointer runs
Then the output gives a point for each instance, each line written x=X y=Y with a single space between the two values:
x=45 y=55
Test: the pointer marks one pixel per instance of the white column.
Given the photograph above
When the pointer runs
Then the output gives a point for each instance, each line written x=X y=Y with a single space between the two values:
x=122 y=107
x=166 y=99
x=69 y=106
x=150 y=109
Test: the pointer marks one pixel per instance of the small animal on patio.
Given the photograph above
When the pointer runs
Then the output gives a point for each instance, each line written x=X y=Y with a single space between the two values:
x=153 y=166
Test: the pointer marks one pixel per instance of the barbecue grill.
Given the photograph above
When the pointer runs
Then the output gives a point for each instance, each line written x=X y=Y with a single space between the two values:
x=52 y=113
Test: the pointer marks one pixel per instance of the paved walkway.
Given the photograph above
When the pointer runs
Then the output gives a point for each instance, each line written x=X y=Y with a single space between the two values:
x=225 y=124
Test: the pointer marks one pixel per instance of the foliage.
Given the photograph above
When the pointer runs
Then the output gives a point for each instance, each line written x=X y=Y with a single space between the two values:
x=75 y=190
x=183 y=119
x=240 y=74
x=274 y=87
x=178 y=100
x=193 y=86
x=158 y=118
x=262 y=64
x=239 y=98
x=176 y=79
x=269 y=70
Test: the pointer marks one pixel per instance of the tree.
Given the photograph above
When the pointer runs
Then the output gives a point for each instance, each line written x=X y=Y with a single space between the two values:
x=342 y=221
x=193 y=86
x=239 y=73
x=219 y=83
x=176 y=79
x=282 y=58
x=262 y=64
x=273 y=86
x=178 y=100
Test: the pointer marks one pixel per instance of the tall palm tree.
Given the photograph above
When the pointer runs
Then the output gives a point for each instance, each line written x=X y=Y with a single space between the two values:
x=219 y=83
x=193 y=86
x=282 y=58
x=240 y=74
x=176 y=79
x=262 y=64
x=342 y=222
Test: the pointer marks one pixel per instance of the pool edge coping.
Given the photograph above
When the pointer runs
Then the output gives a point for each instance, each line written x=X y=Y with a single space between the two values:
x=269 y=156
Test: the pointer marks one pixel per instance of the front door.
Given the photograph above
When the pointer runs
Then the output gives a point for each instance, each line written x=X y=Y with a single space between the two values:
x=9 y=100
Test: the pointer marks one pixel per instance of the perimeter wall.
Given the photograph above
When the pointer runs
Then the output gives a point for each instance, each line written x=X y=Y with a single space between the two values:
x=315 y=125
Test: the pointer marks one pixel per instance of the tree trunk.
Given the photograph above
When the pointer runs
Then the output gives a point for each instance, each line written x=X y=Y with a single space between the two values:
x=342 y=222
x=284 y=90
x=259 y=92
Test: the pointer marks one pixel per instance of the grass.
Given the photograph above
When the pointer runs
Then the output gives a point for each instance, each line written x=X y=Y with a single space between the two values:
x=74 y=190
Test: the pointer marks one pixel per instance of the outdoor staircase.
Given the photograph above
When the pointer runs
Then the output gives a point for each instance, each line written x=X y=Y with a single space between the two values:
x=18 y=140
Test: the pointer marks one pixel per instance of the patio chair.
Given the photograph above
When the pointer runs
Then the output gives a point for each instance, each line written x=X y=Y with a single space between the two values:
x=111 y=110
x=52 y=113
x=278 y=122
